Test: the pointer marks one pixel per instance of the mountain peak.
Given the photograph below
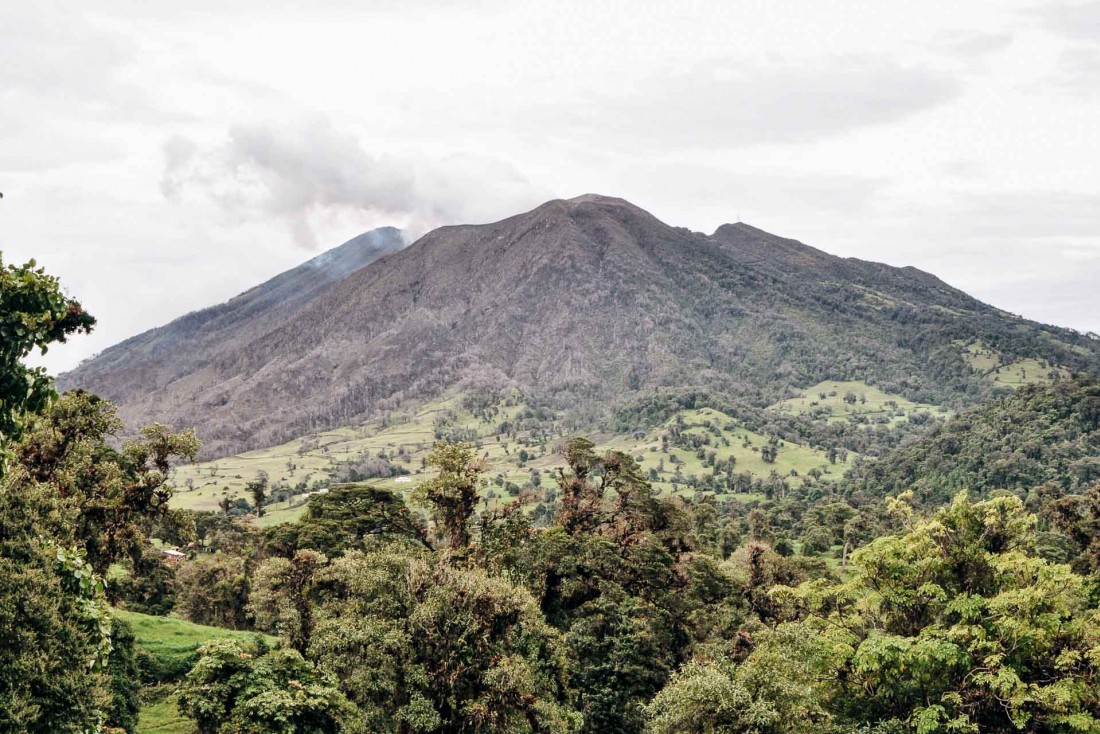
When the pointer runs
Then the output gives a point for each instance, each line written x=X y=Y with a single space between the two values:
x=590 y=297
x=599 y=199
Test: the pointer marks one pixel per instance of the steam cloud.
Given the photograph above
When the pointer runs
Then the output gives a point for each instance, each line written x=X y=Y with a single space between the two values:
x=312 y=170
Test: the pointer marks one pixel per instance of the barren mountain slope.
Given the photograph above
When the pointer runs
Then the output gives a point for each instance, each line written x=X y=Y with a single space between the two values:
x=586 y=299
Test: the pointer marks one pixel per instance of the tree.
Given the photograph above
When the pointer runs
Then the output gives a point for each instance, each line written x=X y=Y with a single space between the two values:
x=232 y=690
x=581 y=499
x=955 y=625
x=775 y=690
x=620 y=655
x=33 y=314
x=453 y=493
x=55 y=624
x=280 y=599
x=346 y=518
x=108 y=499
x=150 y=587
x=257 y=490
x=435 y=647
x=125 y=682
x=213 y=589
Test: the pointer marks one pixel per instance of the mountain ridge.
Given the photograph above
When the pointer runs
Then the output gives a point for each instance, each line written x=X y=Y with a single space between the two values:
x=250 y=311
x=589 y=301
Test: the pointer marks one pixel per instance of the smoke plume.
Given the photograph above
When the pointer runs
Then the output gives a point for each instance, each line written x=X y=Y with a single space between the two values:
x=311 y=171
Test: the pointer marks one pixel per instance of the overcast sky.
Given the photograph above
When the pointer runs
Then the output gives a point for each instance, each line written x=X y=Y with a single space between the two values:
x=161 y=157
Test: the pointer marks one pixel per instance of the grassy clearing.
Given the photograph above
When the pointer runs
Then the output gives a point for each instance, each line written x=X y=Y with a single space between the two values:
x=406 y=440
x=163 y=717
x=835 y=400
x=990 y=363
x=728 y=439
x=168 y=646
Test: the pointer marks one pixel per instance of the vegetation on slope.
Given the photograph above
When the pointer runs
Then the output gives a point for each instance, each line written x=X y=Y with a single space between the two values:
x=168 y=647
x=1036 y=435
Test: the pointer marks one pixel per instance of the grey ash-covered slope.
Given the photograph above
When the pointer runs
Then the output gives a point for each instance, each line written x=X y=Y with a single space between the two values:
x=138 y=368
x=584 y=299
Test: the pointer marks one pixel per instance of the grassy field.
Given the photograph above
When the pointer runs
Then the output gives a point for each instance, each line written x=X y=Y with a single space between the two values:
x=990 y=363
x=172 y=644
x=406 y=440
x=169 y=647
x=163 y=717
x=835 y=400
x=729 y=439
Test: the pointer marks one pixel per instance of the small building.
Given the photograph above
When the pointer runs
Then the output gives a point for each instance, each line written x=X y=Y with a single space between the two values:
x=171 y=555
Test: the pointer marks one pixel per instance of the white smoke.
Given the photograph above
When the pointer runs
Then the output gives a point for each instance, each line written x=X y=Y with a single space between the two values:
x=311 y=171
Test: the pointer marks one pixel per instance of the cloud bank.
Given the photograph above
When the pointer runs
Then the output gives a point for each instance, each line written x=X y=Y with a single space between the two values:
x=312 y=171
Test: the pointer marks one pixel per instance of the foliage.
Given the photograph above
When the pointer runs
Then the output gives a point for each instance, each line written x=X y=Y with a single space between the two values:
x=955 y=625
x=166 y=648
x=55 y=635
x=232 y=690
x=1038 y=434
x=34 y=313
x=125 y=683
x=345 y=518
x=213 y=590
x=107 y=500
x=257 y=490
x=424 y=647
x=453 y=494
x=149 y=586
x=775 y=690
x=280 y=600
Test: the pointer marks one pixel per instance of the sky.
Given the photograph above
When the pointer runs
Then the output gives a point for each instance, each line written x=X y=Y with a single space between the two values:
x=162 y=157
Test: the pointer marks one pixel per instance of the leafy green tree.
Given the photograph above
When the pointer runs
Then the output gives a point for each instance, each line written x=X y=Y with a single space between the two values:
x=347 y=518
x=125 y=684
x=620 y=655
x=1077 y=516
x=213 y=589
x=775 y=690
x=54 y=626
x=435 y=647
x=257 y=490
x=34 y=314
x=108 y=500
x=955 y=625
x=232 y=690
x=149 y=588
x=280 y=599
x=453 y=494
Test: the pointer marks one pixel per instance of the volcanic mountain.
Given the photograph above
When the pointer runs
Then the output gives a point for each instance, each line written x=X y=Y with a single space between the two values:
x=587 y=299
x=141 y=366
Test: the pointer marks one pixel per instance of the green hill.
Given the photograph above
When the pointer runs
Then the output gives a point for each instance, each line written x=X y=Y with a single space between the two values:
x=1038 y=434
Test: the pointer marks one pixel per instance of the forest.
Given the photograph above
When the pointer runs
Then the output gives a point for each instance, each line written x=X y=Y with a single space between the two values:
x=950 y=585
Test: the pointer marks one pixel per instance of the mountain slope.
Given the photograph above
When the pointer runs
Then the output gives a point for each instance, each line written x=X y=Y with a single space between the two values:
x=1038 y=434
x=584 y=301
x=133 y=369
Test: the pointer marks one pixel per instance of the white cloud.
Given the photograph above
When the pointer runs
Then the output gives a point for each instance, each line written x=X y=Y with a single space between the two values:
x=296 y=173
x=1078 y=20
x=740 y=102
